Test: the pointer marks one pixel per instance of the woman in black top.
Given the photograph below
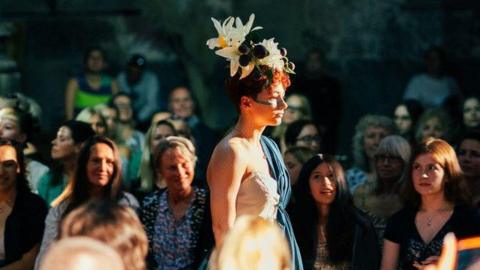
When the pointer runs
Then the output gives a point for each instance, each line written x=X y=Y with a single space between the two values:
x=331 y=232
x=22 y=213
x=438 y=203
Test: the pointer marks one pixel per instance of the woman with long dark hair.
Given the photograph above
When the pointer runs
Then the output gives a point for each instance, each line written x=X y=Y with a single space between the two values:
x=97 y=176
x=331 y=232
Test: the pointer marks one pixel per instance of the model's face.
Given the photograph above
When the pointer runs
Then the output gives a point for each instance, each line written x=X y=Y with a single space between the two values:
x=181 y=103
x=100 y=165
x=294 y=110
x=293 y=166
x=388 y=167
x=269 y=105
x=10 y=129
x=310 y=138
x=177 y=170
x=471 y=113
x=124 y=106
x=433 y=128
x=428 y=175
x=63 y=146
x=8 y=167
x=161 y=132
x=95 y=62
x=371 y=140
x=402 y=118
x=323 y=185
x=469 y=158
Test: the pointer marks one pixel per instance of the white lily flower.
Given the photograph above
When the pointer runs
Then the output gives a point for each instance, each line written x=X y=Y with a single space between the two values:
x=274 y=59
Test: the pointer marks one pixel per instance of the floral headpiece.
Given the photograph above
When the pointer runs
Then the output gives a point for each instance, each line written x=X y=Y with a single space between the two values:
x=235 y=45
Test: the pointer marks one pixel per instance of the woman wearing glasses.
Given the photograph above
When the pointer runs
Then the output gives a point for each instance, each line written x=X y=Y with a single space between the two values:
x=437 y=203
x=303 y=133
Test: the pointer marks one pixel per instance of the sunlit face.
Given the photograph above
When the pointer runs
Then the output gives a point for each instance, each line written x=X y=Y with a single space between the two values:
x=433 y=128
x=269 y=106
x=428 y=175
x=402 y=118
x=469 y=158
x=388 y=167
x=471 y=113
x=181 y=102
x=100 y=165
x=309 y=137
x=322 y=184
x=177 y=170
x=124 y=106
x=8 y=167
x=294 y=110
x=10 y=129
x=95 y=62
x=371 y=139
x=293 y=166
x=63 y=146
x=159 y=133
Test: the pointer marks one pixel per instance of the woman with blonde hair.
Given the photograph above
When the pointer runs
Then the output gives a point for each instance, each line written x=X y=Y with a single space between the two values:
x=253 y=243
x=117 y=226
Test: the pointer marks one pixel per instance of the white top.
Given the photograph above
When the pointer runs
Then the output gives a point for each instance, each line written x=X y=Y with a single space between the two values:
x=431 y=91
x=35 y=170
x=258 y=196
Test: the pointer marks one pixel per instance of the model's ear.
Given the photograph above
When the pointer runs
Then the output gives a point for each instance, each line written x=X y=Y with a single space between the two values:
x=245 y=102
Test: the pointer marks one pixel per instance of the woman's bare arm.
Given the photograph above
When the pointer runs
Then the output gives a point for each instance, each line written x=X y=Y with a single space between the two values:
x=72 y=86
x=224 y=175
x=390 y=255
x=26 y=262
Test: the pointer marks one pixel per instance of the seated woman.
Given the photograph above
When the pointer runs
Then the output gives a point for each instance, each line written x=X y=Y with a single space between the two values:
x=22 y=213
x=469 y=157
x=331 y=232
x=65 y=148
x=303 y=133
x=435 y=123
x=19 y=125
x=369 y=131
x=116 y=225
x=149 y=180
x=380 y=198
x=177 y=221
x=438 y=202
x=97 y=176
x=406 y=116
x=471 y=113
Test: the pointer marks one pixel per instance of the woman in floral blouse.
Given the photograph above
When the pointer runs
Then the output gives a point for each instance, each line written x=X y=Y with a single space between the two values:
x=176 y=220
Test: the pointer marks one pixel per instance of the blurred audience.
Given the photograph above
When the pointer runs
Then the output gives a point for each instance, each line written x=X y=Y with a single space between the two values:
x=471 y=113
x=92 y=86
x=369 y=131
x=22 y=213
x=143 y=87
x=406 y=116
x=331 y=232
x=303 y=133
x=93 y=117
x=435 y=123
x=65 y=148
x=434 y=87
